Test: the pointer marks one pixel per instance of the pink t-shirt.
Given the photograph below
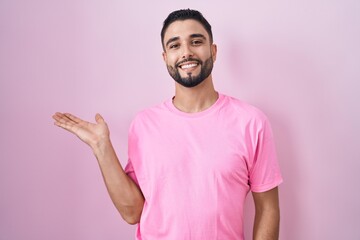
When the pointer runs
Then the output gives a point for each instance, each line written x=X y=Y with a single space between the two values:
x=195 y=169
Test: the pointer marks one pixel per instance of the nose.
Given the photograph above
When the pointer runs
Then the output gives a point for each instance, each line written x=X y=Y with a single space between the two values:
x=187 y=51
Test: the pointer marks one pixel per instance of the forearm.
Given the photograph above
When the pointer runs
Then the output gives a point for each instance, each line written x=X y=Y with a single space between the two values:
x=266 y=225
x=125 y=194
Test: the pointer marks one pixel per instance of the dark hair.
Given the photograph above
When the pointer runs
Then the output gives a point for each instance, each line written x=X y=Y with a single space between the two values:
x=184 y=14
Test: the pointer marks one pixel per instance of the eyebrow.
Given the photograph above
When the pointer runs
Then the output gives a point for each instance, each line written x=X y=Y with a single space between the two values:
x=194 y=35
x=198 y=35
x=173 y=39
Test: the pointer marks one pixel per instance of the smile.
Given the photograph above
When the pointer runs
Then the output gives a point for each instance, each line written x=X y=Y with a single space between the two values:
x=189 y=65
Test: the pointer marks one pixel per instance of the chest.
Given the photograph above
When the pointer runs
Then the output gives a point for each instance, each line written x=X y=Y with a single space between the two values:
x=194 y=149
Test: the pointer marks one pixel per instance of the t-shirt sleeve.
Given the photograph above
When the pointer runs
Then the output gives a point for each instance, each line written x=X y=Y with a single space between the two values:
x=129 y=170
x=264 y=173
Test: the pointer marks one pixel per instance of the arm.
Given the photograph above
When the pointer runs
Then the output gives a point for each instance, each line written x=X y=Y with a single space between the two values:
x=267 y=215
x=125 y=194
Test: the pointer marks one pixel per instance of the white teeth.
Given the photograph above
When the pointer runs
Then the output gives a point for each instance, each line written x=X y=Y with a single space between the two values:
x=186 y=66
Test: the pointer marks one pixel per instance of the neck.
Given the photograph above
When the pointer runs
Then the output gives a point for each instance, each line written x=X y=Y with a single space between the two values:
x=195 y=99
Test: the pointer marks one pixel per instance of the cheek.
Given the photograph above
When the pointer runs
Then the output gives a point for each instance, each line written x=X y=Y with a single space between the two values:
x=171 y=63
x=170 y=59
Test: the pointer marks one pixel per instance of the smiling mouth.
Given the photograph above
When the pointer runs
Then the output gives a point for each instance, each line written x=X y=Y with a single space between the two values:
x=188 y=65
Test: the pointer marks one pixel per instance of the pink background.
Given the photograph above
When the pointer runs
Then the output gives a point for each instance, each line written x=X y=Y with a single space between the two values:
x=299 y=61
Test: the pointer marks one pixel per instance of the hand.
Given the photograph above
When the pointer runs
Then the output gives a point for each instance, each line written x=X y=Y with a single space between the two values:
x=90 y=133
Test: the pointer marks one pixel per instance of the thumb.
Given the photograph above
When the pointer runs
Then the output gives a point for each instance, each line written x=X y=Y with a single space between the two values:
x=99 y=118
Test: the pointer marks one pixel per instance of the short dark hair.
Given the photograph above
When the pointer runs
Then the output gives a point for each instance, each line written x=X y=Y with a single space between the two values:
x=184 y=14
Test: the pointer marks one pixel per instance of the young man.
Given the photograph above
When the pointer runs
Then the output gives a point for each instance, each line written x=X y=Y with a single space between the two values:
x=193 y=158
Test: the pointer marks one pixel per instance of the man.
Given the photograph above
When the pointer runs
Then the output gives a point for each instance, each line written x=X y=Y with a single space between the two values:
x=193 y=158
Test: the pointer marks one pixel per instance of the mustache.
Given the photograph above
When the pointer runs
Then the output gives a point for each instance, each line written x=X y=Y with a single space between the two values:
x=188 y=60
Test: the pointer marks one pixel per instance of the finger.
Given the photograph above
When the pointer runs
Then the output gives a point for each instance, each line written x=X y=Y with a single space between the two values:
x=99 y=118
x=60 y=117
x=65 y=125
x=57 y=115
x=73 y=118
x=61 y=120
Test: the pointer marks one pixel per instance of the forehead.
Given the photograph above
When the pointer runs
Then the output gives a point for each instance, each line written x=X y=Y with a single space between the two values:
x=184 y=28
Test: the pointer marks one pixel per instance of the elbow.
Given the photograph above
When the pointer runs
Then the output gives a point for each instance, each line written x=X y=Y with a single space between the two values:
x=132 y=220
x=132 y=216
x=131 y=213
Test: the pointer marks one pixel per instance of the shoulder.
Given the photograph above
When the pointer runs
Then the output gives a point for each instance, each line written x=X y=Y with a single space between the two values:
x=150 y=114
x=243 y=109
x=248 y=117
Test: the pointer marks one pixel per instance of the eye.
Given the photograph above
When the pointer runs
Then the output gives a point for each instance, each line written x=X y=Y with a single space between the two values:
x=174 y=46
x=196 y=42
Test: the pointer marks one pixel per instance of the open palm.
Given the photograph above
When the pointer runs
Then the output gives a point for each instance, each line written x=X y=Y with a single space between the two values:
x=90 y=133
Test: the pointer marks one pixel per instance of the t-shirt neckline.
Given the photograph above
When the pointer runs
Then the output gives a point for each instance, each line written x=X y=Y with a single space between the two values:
x=169 y=104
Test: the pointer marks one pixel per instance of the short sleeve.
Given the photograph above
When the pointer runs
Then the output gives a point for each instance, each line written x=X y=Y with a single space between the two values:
x=265 y=171
x=129 y=170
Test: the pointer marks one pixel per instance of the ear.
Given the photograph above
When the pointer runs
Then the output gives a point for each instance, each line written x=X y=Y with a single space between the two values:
x=213 y=51
x=164 y=56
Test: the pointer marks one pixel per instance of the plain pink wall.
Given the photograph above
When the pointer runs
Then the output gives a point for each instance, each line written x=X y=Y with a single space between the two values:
x=298 y=61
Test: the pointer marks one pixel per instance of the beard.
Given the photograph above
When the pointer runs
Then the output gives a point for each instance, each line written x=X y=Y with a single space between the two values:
x=192 y=81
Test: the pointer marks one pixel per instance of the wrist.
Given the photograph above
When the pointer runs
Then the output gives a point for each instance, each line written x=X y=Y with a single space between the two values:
x=101 y=146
